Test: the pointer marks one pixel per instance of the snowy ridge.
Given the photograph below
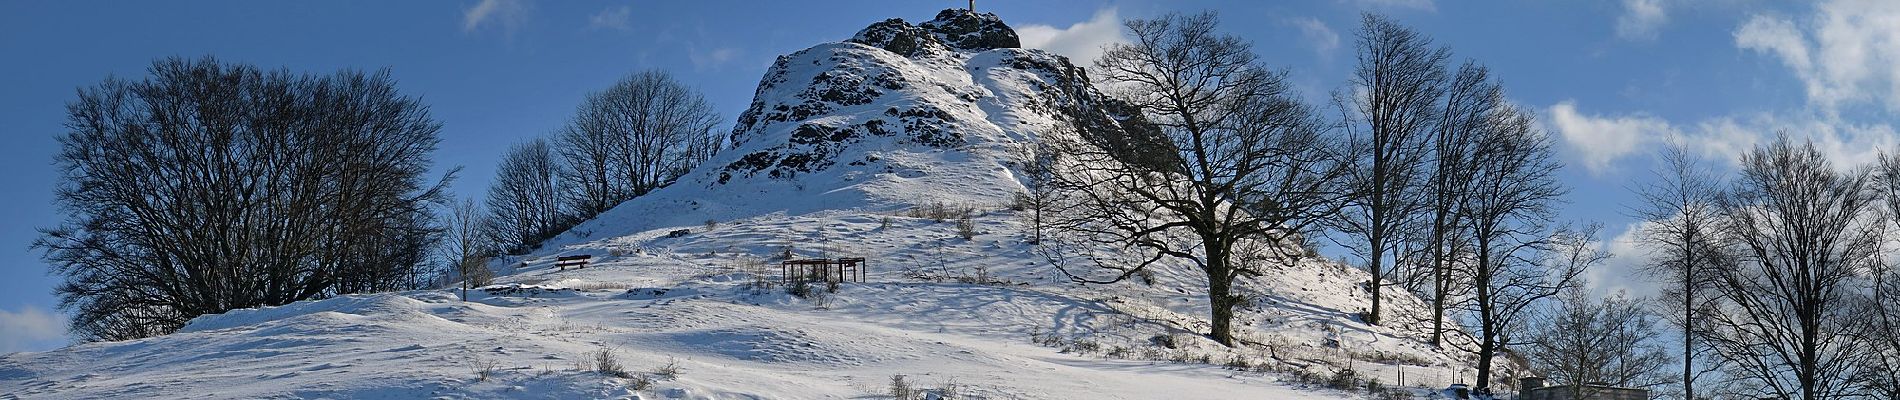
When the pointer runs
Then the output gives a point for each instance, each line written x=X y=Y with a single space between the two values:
x=840 y=142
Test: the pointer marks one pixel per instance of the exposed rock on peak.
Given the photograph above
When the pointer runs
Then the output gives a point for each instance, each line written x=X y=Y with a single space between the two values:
x=967 y=30
x=896 y=36
x=953 y=29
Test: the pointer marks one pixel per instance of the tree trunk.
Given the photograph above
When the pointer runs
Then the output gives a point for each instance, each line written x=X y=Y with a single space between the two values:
x=1438 y=315
x=1372 y=317
x=1222 y=310
x=1220 y=298
x=1808 y=359
x=1487 y=350
x=1487 y=318
x=1438 y=280
x=1688 y=313
x=1036 y=227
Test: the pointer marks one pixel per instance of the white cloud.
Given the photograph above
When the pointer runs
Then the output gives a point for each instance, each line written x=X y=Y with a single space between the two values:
x=1624 y=271
x=1724 y=138
x=1081 y=42
x=506 y=14
x=1775 y=35
x=705 y=59
x=1641 y=19
x=1843 y=53
x=1601 y=140
x=30 y=329
x=611 y=18
x=1426 y=5
x=1322 y=37
x=1846 y=144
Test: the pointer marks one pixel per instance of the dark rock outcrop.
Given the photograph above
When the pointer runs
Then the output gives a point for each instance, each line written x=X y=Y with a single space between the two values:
x=953 y=29
x=966 y=30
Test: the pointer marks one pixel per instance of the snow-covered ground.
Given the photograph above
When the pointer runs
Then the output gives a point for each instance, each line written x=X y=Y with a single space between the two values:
x=652 y=300
x=727 y=344
x=890 y=133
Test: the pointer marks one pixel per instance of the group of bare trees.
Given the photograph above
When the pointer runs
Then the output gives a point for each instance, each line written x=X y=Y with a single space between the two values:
x=210 y=186
x=1453 y=193
x=641 y=134
x=638 y=135
x=1606 y=340
x=1779 y=276
x=1776 y=279
x=1227 y=171
x=524 y=200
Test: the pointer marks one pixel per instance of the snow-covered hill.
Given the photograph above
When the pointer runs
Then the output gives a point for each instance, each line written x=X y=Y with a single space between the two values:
x=896 y=116
x=842 y=143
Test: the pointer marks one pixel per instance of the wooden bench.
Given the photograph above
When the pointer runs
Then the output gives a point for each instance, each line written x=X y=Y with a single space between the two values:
x=850 y=269
x=577 y=262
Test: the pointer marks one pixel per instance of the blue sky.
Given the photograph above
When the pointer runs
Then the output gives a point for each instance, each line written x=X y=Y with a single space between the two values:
x=1611 y=79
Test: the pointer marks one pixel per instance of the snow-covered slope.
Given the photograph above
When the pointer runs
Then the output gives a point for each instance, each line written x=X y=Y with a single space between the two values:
x=842 y=141
x=898 y=115
x=726 y=344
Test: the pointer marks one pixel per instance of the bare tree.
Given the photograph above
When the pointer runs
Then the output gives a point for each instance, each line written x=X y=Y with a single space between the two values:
x=1236 y=158
x=640 y=134
x=1038 y=162
x=524 y=200
x=1884 y=304
x=1587 y=341
x=208 y=186
x=589 y=157
x=469 y=245
x=1883 y=338
x=1807 y=236
x=1516 y=261
x=1391 y=110
x=1681 y=227
x=1469 y=104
